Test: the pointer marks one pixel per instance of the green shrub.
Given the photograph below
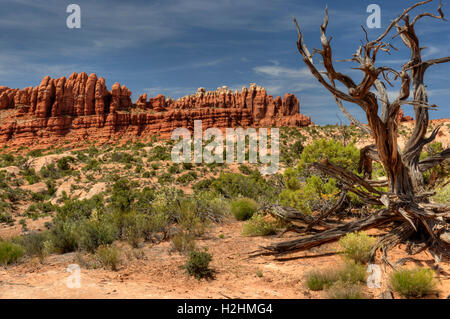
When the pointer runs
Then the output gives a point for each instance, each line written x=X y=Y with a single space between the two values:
x=95 y=233
x=159 y=153
x=297 y=148
x=6 y=159
x=302 y=199
x=189 y=219
x=307 y=196
x=203 y=185
x=79 y=209
x=146 y=174
x=243 y=208
x=143 y=200
x=259 y=225
x=122 y=157
x=165 y=178
x=64 y=163
x=64 y=236
x=51 y=171
x=157 y=222
x=141 y=222
x=352 y=273
x=416 y=282
x=174 y=169
x=307 y=192
x=349 y=273
x=138 y=169
x=30 y=176
x=357 y=246
x=35 y=153
x=244 y=169
x=109 y=257
x=320 y=279
x=183 y=242
x=442 y=194
x=122 y=195
x=34 y=244
x=92 y=165
x=345 y=290
x=232 y=185
x=210 y=206
x=187 y=178
x=6 y=218
x=10 y=253
x=337 y=153
x=197 y=264
x=75 y=226
x=51 y=187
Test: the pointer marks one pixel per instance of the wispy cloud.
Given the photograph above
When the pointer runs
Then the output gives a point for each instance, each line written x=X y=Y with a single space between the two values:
x=279 y=71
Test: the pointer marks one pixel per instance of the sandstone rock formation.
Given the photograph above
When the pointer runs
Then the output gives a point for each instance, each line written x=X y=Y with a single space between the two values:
x=404 y=118
x=81 y=107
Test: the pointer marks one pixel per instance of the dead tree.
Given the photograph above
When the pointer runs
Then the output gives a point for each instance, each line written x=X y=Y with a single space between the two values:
x=406 y=204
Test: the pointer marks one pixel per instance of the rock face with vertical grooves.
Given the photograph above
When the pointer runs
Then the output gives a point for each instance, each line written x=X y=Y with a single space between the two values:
x=82 y=108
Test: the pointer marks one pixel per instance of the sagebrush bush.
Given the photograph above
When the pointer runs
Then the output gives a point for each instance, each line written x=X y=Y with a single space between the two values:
x=357 y=246
x=243 y=208
x=442 y=194
x=64 y=236
x=244 y=169
x=188 y=218
x=122 y=196
x=10 y=253
x=159 y=153
x=6 y=218
x=108 y=256
x=320 y=279
x=415 y=282
x=64 y=163
x=34 y=244
x=211 y=206
x=345 y=290
x=187 y=178
x=233 y=185
x=260 y=225
x=352 y=273
x=122 y=157
x=349 y=273
x=95 y=233
x=197 y=264
x=165 y=178
x=183 y=242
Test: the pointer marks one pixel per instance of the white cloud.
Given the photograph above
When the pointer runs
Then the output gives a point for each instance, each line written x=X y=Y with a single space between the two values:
x=279 y=71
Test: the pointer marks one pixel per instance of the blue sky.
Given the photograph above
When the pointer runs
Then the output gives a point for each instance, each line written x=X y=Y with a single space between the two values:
x=174 y=47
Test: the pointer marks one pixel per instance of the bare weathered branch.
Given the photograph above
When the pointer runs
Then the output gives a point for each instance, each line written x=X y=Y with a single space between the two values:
x=426 y=14
x=395 y=21
x=325 y=214
x=331 y=235
x=433 y=161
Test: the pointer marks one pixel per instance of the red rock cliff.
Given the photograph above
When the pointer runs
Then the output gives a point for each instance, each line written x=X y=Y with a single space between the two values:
x=81 y=107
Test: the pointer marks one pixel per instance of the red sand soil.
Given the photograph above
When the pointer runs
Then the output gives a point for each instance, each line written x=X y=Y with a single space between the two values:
x=159 y=272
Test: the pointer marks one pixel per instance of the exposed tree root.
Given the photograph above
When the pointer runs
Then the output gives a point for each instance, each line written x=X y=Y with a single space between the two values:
x=376 y=219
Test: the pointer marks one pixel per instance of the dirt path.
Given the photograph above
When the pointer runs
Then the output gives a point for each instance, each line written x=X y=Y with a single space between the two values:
x=159 y=273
